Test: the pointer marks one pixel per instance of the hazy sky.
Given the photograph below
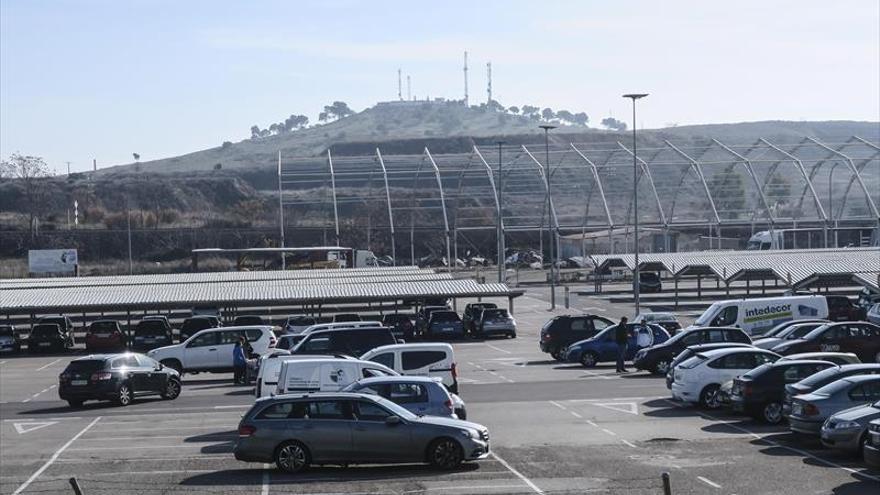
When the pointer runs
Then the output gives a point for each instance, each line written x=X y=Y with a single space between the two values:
x=83 y=79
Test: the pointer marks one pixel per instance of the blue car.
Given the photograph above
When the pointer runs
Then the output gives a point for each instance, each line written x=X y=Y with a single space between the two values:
x=603 y=348
x=444 y=324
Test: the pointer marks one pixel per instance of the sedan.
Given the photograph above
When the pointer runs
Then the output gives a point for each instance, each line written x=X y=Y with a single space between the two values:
x=421 y=395
x=809 y=412
x=847 y=431
x=658 y=357
x=759 y=392
x=347 y=428
x=860 y=338
x=822 y=378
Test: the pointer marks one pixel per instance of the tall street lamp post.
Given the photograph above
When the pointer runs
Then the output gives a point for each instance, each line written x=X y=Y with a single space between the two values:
x=550 y=229
x=636 y=279
x=500 y=185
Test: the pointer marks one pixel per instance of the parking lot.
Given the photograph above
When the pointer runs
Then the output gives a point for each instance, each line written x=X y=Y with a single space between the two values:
x=555 y=428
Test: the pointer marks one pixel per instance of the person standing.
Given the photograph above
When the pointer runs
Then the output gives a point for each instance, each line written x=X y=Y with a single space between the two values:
x=621 y=335
x=239 y=362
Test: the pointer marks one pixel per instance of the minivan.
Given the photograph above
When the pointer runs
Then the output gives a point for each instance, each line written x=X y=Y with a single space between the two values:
x=423 y=359
x=325 y=374
x=348 y=341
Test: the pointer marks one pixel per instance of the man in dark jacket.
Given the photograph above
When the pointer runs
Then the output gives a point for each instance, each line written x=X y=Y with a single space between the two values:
x=621 y=335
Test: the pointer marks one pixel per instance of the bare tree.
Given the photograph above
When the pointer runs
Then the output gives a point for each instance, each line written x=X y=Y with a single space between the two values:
x=31 y=172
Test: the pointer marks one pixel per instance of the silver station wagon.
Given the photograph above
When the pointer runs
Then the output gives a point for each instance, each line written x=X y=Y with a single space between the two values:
x=295 y=431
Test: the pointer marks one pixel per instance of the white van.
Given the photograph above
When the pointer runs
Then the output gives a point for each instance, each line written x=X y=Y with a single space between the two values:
x=325 y=375
x=427 y=359
x=211 y=349
x=755 y=316
x=270 y=368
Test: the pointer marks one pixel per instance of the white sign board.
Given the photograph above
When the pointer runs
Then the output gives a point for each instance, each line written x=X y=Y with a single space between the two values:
x=52 y=261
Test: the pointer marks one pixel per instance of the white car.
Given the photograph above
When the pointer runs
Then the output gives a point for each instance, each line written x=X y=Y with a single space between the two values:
x=325 y=374
x=211 y=349
x=423 y=359
x=699 y=378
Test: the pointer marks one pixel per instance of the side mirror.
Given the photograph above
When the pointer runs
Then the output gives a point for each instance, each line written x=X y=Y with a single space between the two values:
x=392 y=421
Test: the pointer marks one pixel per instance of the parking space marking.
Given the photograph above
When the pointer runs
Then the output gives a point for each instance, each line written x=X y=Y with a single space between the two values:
x=499 y=349
x=2 y=362
x=208 y=438
x=264 y=490
x=709 y=482
x=38 y=393
x=519 y=475
x=139 y=447
x=41 y=368
x=573 y=413
x=627 y=442
x=560 y=406
x=609 y=432
x=55 y=456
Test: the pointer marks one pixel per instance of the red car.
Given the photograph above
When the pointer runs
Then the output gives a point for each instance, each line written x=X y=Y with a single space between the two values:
x=105 y=335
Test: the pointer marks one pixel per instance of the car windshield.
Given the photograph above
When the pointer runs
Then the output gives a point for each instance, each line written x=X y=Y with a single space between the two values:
x=85 y=366
x=653 y=317
x=44 y=331
x=707 y=315
x=196 y=324
x=346 y=317
x=5 y=331
x=103 y=326
x=150 y=327
x=444 y=316
x=495 y=313
x=775 y=331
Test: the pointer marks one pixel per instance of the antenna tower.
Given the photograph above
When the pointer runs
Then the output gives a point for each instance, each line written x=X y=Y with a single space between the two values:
x=465 y=80
x=399 y=87
x=489 y=76
x=408 y=88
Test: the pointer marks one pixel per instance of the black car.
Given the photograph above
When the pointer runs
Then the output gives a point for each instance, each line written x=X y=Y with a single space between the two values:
x=193 y=324
x=62 y=321
x=152 y=333
x=841 y=308
x=347 y=341
x=657 y=359
x=116 y=377
x=759 y=393
x=693 y=350
x=401 y=324
x=9 y=340
x=822 y=378
x=562 y=331
x=775 y=331
x=472 y=314
x=248 y=321
x=49 y=337
x=649 y=282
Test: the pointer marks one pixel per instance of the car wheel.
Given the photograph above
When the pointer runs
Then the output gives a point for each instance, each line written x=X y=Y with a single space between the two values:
x=76 y=404
x=173 y=364
x=589 y=359
x=445 y=453
x=710 y=397
x=172 y=390
x=512 y=335
x=124 y=395
x=662 y=366
x=557 y=355
x=292 y=457
x=772 y=413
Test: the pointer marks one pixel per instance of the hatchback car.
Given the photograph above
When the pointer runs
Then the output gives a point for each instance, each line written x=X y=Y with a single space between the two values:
x=658 y=357
x=859 y=338
x=689 y=352
x=444 y=323
x=603 y=347
x=649 y=282
x=698 y=379
x=822 y=378
x=847 y=431
x=560 y=332
x=345 y=428
x=421 y=395
x=49 y=337
x=9 y=340
x=494 y=321
x=809 y=411
x=105 y=335
x=150 y=333
x=471 y=314
x=116 y=377
x=759 y=392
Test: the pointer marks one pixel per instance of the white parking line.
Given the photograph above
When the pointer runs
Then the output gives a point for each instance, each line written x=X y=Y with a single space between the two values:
x=576 y=414
x=2 y=362
x=55 y=456
x=38 y=393
x=505 y=351
x=41 y=368
x=518 y=474
x=709 y=482
x=265 y=488
x=208 y=437
x=627 y=442
x=139 y=447
x=609 y=432
x=560 y=406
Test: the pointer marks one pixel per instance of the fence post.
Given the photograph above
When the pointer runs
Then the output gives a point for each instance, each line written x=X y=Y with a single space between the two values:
x=75 y=485
x=667 y=487
x=566 y=296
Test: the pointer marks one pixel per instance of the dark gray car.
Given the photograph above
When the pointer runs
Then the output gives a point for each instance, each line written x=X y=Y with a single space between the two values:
x=809 y=411
x=847 y=431
x=295 y=431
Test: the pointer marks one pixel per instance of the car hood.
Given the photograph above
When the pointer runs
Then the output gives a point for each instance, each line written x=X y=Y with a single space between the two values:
x=450 y=422
x=766 y=341
x=862 y=414
x=787 y=344
x=163 y=349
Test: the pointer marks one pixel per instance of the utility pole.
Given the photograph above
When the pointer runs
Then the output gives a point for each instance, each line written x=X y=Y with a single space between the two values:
x=281 y=213
x=499 y=184
x=408 y=88
x=130 y=264
x=550 y=228
x=636 y=278
x=68 y=167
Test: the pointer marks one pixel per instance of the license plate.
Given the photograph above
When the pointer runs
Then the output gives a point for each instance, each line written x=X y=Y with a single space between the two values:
x=149 y=341
x=79 y=383
x=448 y=329
x=102 y=335
x=44 y=344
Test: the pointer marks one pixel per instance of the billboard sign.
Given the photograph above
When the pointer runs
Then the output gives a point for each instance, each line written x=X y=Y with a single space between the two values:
x=52 y=260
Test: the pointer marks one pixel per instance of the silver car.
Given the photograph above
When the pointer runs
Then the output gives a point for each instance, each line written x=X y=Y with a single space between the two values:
x=495 y=321
x=847 y=431
x=421 y=395
x=295 y=431
x=809 y=411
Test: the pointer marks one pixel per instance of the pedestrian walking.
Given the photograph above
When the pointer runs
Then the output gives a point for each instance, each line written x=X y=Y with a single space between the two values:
x=239 y=361
x=621 y=335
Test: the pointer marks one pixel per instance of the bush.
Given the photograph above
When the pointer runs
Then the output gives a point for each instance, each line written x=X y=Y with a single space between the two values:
x=226 y=144
x=93 y=214
x=169 y=215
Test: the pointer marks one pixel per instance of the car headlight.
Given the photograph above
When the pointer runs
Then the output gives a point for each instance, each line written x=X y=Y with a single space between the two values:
x=468 y=433
x=842 y=425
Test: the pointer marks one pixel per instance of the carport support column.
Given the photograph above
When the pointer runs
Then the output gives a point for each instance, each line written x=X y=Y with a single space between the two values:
x=510 y=304
x=699 y=286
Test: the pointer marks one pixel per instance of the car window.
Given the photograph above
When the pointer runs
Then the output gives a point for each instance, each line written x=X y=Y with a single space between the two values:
x=124 y=362
x=857 y=394
x=317 y=344
x=872 y=391
x=373 y=372
x=761 y=358
x=147 y=362
x=368 y=411
x=284 y=410
x=386 y=358
x=117 y=363
x=253 y=334
x=413 y=360
x=407 y=393
x=834 y=333
x=600 y=324
x=329 y=409
x=691 y=338
x=578 y=324
x=736 y=361
x=713 y=336
x=726 y=317
x=229 y=336
x=204 y=340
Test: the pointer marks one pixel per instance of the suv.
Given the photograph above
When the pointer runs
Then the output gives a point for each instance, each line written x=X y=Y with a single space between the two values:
x=471 y=315
x=657 y=358
x=841 y=308
x=116 y=377
x=62 y=321
x=9 y=341
x=193 y=324
x=348 y=341
x=558 y=333
x=152 y=332
x=49 y=337
x=859 y=338
x=444 y=323
x=104 y=335
x=649 y=282
x=211 y=349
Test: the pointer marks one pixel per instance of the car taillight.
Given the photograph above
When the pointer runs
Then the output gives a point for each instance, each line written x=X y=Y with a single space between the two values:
x=810 y=409
x=747 y=390
x=448 y=404
x=546 y=336
x=246 y=430
x=454 y=371
x=101 y=375
x=64 y=377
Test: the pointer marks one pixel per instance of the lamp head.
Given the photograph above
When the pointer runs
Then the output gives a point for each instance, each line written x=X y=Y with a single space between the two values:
x=635 y=96
x=547 y=127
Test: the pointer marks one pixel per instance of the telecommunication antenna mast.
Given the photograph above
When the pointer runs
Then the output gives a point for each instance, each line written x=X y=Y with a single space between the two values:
x=465 y=80
x=489 y=77
x=408 y=88
x=399 y=87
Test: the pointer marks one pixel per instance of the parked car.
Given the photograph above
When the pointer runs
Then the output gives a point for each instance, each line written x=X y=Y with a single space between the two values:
x=150 y=333
x=603 y=347
x=699 y=378
x=348 y=341
x=665 y=320
x=495 y=321
x=561 y=331
x=649 y=282
x=833 y=357
x=105 y=335
x=248 y=320
x=211 y=350
x=759 y=392
x=49 y=337
x=691 y=351
x=345 y=428
x=346 y=317
x=421 y=395
x=873 y=314
x=423 y=315
x=298 y=323
x=859 y=338
x=841 y=308
x=194 y=324
x=320 y=374
x=871 y=450
x=809 y=411
x=401 y=324
x=791 y=332
x=471 y=314
x=773 y=332
x=847 y=431
x=269 y=369
x=9 y=339
x=822 y=378
x=62 y=321
x=434 y=359
x=116 y=377
x=658 y=357
x=445 y=324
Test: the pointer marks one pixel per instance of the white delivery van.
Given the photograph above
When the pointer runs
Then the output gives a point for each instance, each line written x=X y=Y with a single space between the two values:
x=755 y=316
x=270 y=368
x=325 y=375
x=424 y=359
